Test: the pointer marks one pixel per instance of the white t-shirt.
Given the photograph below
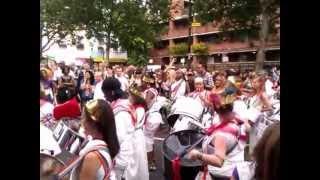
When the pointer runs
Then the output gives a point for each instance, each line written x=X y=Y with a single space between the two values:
x=268 y=87
x=181 y=85
x=98 y=94
x=57 y=74
x=124 y=82
x=125 y=131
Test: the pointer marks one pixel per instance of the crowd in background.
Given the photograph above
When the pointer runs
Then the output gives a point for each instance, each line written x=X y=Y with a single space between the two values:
x=64 y=90
x=85 y=81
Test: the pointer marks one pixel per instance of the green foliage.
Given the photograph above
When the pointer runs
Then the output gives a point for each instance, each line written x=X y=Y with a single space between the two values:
x=132 y=24
x=55 y=23
x=199 y=49
x=236 y=14
x=179 y=49
x=138 y=56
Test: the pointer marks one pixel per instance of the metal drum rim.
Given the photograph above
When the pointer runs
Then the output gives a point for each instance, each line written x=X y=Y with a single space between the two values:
x=187 y=130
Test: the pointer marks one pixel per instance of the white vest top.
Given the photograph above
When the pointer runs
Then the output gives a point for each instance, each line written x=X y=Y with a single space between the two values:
x=104 y=152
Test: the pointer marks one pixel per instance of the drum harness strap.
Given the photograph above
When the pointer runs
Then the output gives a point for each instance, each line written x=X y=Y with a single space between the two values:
x=175 y=90
x=220 y=127
x=74 y=163
x=130 y=109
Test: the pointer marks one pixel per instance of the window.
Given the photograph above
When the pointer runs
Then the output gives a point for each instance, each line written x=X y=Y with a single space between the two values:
x=100 y=51
x=62 y=44
x=80 y=46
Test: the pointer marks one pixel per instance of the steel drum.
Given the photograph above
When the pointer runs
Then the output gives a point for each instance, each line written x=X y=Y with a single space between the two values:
x=50 y=167
x=47 y=142
x=174 y=143
x=184 y=109
x=68 y=139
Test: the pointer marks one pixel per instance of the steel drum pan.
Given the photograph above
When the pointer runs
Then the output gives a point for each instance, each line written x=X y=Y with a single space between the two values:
x=58 y=147
x=49 y=167
x=67 y=138
x=185 y=109
x=47 y=142
x=173 y=144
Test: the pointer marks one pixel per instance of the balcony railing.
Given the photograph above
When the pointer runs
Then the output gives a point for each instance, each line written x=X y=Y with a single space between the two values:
x=242 y=66
x=184 y=31
x=118 y=54
x=228 y=46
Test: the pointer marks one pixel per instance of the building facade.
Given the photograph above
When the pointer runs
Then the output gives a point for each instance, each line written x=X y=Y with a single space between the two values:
x=83 y=49
x=224 y=49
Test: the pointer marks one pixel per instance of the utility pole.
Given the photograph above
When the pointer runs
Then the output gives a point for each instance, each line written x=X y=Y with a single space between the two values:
x=190 y=28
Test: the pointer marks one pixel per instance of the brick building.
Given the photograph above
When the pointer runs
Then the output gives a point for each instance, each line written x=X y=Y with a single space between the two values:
x=224 y=49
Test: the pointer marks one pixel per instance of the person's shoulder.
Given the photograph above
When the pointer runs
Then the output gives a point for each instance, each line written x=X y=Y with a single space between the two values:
x=92 y=160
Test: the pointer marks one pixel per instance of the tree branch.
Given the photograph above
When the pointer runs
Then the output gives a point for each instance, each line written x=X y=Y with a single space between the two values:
x=52 y=43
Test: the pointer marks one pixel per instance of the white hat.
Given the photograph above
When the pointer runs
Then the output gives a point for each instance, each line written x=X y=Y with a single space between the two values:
x=198 y=80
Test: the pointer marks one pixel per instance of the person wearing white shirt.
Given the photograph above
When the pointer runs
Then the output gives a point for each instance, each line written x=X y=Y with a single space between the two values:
x=125 y=164
x=123 y=80
x=178 y=87
x=268 y=88
x=153 y=121
x=98 y=94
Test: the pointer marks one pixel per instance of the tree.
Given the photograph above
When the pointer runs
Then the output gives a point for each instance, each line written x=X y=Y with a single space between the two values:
x=55 y=23
x=133 y=23
x=241 y=14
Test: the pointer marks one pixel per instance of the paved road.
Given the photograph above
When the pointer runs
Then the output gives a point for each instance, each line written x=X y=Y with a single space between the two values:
x=158 y=174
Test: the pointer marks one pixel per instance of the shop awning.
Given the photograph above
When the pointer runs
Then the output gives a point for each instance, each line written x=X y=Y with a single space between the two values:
x=117 y=60
x=98 y=59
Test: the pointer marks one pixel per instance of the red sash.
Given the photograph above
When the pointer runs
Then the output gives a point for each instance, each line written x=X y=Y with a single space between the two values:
x=223 y=128
x=116 y=105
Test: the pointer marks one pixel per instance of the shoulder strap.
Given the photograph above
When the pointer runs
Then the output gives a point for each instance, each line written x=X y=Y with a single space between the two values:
x=130 y=110
x=220 y=128
x=174 y=91
x=106 y=163
x=74 y=163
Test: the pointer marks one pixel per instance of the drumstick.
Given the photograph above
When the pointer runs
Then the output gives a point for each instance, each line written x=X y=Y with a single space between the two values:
x=65 y=171
x=189 y=148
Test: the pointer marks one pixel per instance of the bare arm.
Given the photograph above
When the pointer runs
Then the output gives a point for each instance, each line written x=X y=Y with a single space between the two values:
x=219 y=155
x=215 y=159
x=89 y=167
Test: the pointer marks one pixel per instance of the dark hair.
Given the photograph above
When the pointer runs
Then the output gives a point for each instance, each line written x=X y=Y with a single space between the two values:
x=139 y=101
x=64 y=94
x=224 y=109
x=41 y=74
x=105 y=124
x=112 y=84
x=42 y=95
x=91 y=77
x=221 y=73
x=267 y=154
x=64 y=69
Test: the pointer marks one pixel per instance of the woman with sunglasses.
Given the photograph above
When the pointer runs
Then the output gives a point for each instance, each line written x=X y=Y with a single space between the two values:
x=98 y=154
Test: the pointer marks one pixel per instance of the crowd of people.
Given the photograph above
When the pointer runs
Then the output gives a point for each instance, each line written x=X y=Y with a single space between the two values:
x=120 y=109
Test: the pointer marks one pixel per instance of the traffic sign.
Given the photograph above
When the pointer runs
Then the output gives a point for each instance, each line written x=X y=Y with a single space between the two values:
x=196 y=24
